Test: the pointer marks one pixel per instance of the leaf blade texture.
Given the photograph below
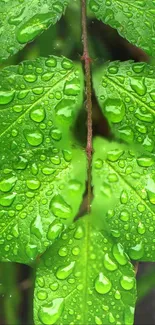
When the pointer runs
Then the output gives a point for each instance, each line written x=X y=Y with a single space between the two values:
x=125 y=92
x=40 y=185
x=133 y=20
x=81 y=279
x=23 y=21
x=124 y=185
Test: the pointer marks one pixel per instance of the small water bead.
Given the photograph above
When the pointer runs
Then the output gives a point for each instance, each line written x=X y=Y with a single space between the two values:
x=55 y=160
x=7 y=199
x=34 y=138
x=40 y=282
x=17 y=108
x=113 y=69
x=7 y=184
x=54 y=230
x=37 y=114
x=146 y=117
x=30 y=77
x=33 y=27
x=59 y=207
x=141 y=207
x=15 y=231
x=109 y=263
x=126 y=134
x=112 y=178
x=111 y=318
x=47 y=76
x=31 y=251
x=76 y=251
x=51 y=62
x=114 y=110
x=98 y=320
x=98 y=164
x=50 y=313
x=114 y=155
x=54 y=286
x=63 y=251
x=124 y=215
x=72 y=87
x=36 y=227
x=65 y=108
x=127 y=282
x=141 y=128
x=124 y=197
x=137 y=251
x=79 y=233
x=119 y=254
x=6 y=97
x=63 y=272
x=48 y=171
x=42 y=295
x=102 y=284
x=67 y=64
x=141 y=229
x=138 y=85
x=56 y=134
x=145 y=161
x=129 y=315
x=33 y=184
x=117 y=295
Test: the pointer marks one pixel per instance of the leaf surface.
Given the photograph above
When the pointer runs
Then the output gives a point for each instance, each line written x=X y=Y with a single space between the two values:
x=126 y=94
x=22 y=21
x=134 y=20
x=124 y=197
x=84 y=278
x=40 y=185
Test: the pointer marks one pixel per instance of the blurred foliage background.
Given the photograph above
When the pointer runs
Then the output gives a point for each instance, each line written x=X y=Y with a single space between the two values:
x=64 y=38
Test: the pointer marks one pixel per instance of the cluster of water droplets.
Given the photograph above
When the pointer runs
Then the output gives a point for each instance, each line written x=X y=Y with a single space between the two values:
x=130 y=107
x=40 y=186
x=77 y=284
x=127 y=189
x=132 y=21
x=25 y=21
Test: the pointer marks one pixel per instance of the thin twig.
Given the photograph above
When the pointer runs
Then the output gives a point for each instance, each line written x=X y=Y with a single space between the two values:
x=87 y=63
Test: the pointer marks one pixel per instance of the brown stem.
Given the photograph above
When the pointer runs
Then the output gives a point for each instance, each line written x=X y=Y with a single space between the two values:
x=87 y=64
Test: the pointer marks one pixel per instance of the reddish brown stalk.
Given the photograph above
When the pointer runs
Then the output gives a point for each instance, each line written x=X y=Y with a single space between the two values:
x=87 y=63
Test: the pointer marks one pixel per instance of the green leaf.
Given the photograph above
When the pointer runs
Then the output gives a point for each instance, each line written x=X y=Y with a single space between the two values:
x=126 y=94
x=22 y=21
x=124 y=197
x=134 y=20
x=84 y=278
x=41 y=186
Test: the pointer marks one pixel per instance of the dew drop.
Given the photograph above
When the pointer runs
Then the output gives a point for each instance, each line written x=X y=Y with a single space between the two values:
x=33 y=184
x=63 y=272
x=54 y=230
x=119 y=254
x=37 y=114
x=6 y=97
x=136 y=252
x=7 y=184
x=108 y=263
x=59 y=207
x=34 y=138
x=114 y=110
x=138 y=85
x=36 y=227
x=50 y=313
x=127 y=282
x=102 y=284
x=7 y=199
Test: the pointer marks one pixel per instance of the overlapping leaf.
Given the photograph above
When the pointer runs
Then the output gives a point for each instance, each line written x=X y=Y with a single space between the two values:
x=40 y=184
x=124 y=197
x=126 y=94
x=22 y=21
x=84 y=278
x=134 y=20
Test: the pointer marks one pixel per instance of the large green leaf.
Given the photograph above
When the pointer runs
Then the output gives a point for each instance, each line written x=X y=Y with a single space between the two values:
x=40 y=183
x=22 y=21
x=134 y=20
x=126 y=94
x=124 y=197
x=84 y=278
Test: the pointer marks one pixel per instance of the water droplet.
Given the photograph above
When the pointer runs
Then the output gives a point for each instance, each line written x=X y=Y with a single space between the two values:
x=98 y=164
x=6 y=97
x=119 y=254
x=7 y=200
x=138 y=85
x=141 y=229
x=72 y=87
x=138 y=67
x=30 y=77
x=79 y=233
x=114 y=155
x=31 y=251
x=37 y=114
x=124 y=215
x=65 y=108
x=114 y=110
x=67 y=64
x=124 y=197
x=48 y=170
x=51 y=62
x=7 y=184
x=136 y=252
x=59 y=207
x=34 y=138
x=150 y=186
x=108 y=263
x=146 y=117
x=54 y=286
x=63 y=272
x=98 y=320
x=50 y=313
x=56 y=134
x=20 y=163
x=42 y=295
x=36 y=227
x=54 y=230
x=145 y=161
x=102 y=284
x=33 y=184
x=127 y=282
x=33 y=27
